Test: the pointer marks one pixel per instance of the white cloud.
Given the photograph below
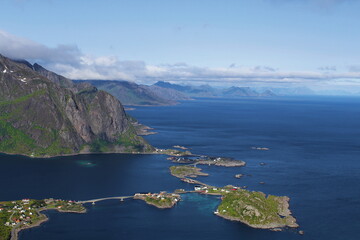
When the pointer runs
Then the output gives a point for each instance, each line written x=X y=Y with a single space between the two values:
x=71 y=62
x=21 y=48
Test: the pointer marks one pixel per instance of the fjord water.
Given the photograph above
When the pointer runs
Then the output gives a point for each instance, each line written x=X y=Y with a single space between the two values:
x=313 y=158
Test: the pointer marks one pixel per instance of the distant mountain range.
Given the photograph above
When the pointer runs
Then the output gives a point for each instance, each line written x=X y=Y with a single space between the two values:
x=43 y=114
x=191 y=91
x=165 y=93
x=208 y=91
x=130 y=93
x=295 y=91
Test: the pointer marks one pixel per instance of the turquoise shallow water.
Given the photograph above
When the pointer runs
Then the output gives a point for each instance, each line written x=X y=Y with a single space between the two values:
x=313 y=158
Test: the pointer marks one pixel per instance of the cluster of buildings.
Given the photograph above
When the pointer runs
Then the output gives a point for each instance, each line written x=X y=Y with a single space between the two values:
x=208 y=189
x=26 y=210
x=158 y=196
x=20 y=212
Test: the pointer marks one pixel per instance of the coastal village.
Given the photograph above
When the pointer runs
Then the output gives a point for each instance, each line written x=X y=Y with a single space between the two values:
x=20 y=212
x=26 y=213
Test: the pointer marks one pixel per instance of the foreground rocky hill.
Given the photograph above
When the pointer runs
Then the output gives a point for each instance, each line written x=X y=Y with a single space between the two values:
x=44 y=114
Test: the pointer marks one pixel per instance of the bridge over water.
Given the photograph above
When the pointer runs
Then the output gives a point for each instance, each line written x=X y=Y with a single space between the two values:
x=93 y=201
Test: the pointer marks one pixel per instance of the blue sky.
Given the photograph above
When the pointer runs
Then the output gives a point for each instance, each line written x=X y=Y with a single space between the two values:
x=312 y=43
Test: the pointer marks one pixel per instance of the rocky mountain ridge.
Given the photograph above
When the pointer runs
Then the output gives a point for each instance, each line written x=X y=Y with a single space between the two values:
x=44 y=114
x=131 y=93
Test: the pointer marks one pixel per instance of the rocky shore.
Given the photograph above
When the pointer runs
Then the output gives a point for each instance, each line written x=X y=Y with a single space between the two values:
x=180 y=147
x=270 y=226
x=142 y=130
x=222 y=162
x=15 y=231
x=256 y=209
x=207 y=160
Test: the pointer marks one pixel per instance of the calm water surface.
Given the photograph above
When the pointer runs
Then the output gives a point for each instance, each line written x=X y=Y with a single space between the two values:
x=313 y=158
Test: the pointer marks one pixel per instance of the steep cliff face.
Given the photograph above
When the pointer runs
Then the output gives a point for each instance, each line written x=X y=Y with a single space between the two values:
x=45 y=114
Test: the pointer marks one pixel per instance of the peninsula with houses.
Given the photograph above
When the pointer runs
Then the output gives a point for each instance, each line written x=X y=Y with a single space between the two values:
x=27 y=213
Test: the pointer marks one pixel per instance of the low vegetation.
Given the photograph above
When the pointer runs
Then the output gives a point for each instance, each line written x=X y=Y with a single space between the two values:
x=160 y=200
x=255 y=208
x=186 y=171
x=127 y=142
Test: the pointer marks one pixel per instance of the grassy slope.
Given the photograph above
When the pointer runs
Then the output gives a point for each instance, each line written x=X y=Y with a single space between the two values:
x=253 y=208
x=183 y=171
x=166 y=202
x=14 y=140
x=5 y=232
x=128 y=141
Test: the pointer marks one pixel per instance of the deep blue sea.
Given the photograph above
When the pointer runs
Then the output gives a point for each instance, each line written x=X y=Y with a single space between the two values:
x=314 y=158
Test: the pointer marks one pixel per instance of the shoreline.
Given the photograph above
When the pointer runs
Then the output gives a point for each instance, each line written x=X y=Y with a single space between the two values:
x=15 y=231
x=83 y=153
x=257 y=226
x=282 y=210
x=44 y=218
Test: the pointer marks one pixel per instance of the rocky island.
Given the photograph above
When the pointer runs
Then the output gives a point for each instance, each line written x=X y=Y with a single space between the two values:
x=186 y=171
x=220 y=161
x=239 y=175
x=206 y=160
x=254 y=209
x=180 y=147
x=261 y=148
x=159 y=200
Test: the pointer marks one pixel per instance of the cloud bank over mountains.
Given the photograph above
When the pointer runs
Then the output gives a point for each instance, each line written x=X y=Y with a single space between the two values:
x=16 y=47
x=71 y=62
